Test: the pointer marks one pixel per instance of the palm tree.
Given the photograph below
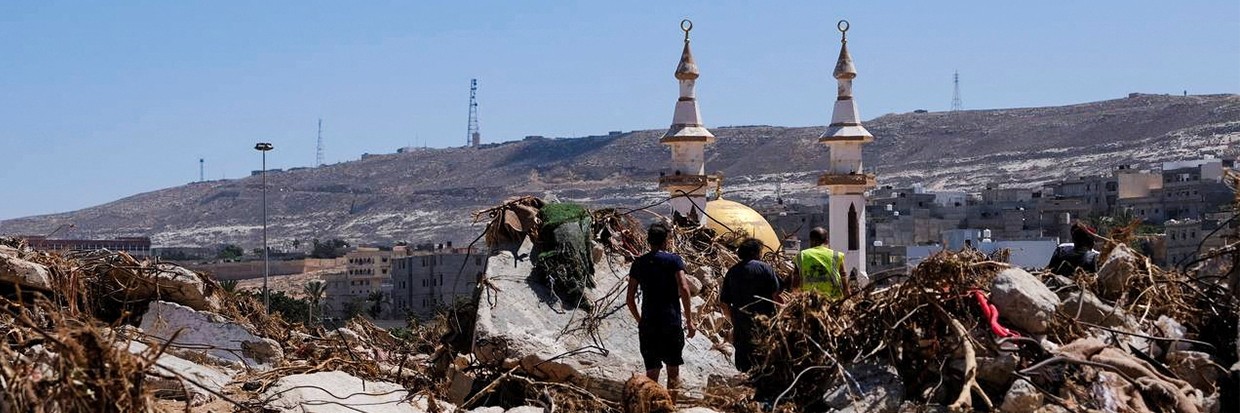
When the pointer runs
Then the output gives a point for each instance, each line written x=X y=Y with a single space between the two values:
x=376 y=300
x=229 y=286
x=314 y=293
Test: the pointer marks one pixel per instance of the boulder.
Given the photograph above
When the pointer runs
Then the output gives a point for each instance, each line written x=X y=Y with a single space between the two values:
x=697 y=410
x=197 y=382
x=527 y=320
x=1022 y=397
x=1023 y=300
x=695 y=285
x=1085 y=306
x=1114 y=273
x=877 y=388
x=21 y=272
x=167 y=282
x=211 y=335
x=996 y=371
x=336 y=391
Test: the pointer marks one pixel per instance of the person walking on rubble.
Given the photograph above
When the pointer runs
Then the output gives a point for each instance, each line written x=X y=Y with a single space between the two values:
x=820 y=268
x=661 y=277
x=749 y=289
x=1079 y=253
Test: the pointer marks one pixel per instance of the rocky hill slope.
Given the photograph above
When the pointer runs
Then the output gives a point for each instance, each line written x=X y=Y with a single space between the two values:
x=429 y=195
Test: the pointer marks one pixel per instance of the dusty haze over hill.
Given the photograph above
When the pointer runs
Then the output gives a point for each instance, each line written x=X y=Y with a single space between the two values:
x=429 y=195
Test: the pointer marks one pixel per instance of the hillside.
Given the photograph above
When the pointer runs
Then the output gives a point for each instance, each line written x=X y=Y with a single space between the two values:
x=428 y=195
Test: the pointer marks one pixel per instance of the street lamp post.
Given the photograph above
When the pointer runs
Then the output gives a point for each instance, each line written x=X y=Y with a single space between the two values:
x=264 y=147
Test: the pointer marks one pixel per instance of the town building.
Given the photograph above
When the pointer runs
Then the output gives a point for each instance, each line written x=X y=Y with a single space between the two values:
x=367 y=271
x=845 y=178
x=138 y=247
x=426 y=282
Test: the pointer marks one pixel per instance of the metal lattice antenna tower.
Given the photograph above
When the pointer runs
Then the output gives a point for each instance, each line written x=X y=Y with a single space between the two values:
x=318 y=154
x=472 y=136
x=956 y=103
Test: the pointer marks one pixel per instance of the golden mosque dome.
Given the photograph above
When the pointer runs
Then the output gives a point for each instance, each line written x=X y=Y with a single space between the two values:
x=724 y=214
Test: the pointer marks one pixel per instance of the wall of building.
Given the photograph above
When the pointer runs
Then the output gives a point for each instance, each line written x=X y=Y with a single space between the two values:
x=422 y=284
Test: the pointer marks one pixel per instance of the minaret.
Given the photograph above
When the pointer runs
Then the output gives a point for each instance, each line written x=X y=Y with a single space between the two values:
x=845 y=179
x=687 y=183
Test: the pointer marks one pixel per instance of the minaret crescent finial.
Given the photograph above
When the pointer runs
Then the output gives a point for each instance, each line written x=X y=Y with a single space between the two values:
x=686 y=25
x=843 y=28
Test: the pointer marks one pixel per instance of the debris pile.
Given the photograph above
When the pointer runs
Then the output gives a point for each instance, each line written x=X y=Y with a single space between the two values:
x=103 y=331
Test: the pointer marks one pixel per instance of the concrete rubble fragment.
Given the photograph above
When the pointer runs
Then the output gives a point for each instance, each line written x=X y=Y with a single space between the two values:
x=24 y=273
x=1115 y=272
x=211 y=335
x=1023 y=300
x=336 y=391
x=1022 y=397
x=1085 y=306
x=202 y=383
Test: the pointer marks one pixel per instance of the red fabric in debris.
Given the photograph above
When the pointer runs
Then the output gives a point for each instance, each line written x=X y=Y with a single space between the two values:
x=992 y=315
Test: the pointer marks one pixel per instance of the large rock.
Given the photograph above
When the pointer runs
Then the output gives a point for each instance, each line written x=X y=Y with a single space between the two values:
x=1023 y=300
x=21 y=272
x=200 y=383
x=168 y=282
x=1022 y=397
x=877 y=388
x=339 y=392
x=529 y=321
x=1085 y=306
x=210 y=335
x=1114 y=274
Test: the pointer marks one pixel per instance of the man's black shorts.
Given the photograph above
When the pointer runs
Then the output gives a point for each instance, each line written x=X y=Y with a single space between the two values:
x=661 y=345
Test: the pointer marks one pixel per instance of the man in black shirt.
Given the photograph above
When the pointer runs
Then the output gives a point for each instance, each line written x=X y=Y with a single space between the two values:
x=749 y=289
x=1080 y=253
x=661 y=277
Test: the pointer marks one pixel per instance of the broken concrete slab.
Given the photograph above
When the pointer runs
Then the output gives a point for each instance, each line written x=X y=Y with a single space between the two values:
x=201 y=382
x=339 y=392
x=532 y=322
x=21 y=272
x=1023 y=300
x=871 y=388
x=211 y=335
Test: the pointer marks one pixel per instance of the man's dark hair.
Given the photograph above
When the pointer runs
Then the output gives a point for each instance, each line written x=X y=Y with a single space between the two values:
x=817 y=236
x=749 y=249
x=1082 y=236
x=656 y=235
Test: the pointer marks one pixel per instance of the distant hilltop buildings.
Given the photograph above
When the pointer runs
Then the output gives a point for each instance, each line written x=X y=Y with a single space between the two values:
x=1181 y=204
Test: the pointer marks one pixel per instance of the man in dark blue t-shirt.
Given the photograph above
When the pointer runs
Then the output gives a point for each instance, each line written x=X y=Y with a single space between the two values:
x=749 y=289
x=661 y=277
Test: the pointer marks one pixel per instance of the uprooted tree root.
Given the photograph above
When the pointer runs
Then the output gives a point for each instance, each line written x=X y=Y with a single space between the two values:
x=52 y=363
x=918 y=325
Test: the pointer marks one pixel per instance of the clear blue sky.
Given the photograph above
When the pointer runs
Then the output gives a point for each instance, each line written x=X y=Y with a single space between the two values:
x=100 y=100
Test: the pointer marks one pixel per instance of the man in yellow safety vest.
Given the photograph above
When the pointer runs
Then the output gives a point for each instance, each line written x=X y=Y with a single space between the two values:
x=820 y=268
